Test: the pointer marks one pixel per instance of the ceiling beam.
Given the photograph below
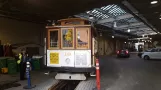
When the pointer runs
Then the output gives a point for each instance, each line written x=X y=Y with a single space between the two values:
x=145 y=33
x=83 y=17
x=137 y=14
x=130 y=25
x=139 y=29
x=113 y=19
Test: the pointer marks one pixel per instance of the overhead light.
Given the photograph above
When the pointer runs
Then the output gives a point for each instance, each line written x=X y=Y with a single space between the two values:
x=53 y=23
x=100 y=34
x=115 y=25
x=91 y=17
x=124 y=42
x=128 y=30
x=154 y=2
x=113 y=36
x=160 y=17
x=88 y=12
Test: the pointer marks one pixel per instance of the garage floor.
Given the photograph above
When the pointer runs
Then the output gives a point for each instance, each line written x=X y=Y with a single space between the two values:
x=118 y=74
x=37 y=77
x=130 y=73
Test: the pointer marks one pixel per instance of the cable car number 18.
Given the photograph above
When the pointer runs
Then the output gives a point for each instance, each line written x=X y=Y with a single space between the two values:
x=67 y=54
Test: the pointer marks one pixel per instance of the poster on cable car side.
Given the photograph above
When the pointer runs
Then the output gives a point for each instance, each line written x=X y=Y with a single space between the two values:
x=82 y=58
x=67 y=58
x=54 y=58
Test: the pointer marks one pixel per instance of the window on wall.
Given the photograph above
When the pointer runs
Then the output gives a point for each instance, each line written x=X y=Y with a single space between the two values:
x=54 y=41
x=67 y=37
x=82 y=35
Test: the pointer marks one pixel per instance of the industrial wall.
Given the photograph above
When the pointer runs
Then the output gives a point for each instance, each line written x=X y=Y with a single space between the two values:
x=108 y=46
x=22 y=34
x=14 y=31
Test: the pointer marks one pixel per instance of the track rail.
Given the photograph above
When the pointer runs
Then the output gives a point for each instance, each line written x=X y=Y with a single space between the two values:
x=64 y=85
x=58 y=86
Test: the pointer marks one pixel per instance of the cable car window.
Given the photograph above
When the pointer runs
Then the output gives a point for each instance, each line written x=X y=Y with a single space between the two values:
x=82 y=40
x=53 y=39
x=67 y=37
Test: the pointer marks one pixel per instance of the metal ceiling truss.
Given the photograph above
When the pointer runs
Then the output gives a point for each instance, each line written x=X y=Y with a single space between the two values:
x=138 y=15
x=124 y=20
x=109 y=31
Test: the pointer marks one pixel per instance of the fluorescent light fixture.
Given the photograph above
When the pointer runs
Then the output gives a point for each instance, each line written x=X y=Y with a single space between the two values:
x=88 y=12
x=128 y=30
x=154 y=2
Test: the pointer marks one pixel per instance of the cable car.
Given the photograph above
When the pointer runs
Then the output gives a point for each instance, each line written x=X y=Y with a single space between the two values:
x=71 y=49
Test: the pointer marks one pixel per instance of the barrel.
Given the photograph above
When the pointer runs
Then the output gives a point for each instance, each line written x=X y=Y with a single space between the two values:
x=11 y=60
x=3 y=62
x=36 y=63
x=12 y=66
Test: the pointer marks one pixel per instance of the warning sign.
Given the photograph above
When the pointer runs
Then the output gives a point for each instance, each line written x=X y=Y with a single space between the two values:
x=54 y=58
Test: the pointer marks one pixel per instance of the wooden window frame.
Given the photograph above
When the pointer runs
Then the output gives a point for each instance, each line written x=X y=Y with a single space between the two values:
x=49 y=47
x=62 y=38
x=89 y=31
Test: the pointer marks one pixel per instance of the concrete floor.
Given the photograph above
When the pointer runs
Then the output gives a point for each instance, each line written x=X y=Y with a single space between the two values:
x=37 y=78
x=116 y=74
x=130 y=73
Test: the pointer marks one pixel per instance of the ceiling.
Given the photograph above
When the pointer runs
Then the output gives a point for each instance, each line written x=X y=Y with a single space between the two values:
x=40 y=11
x=118 y=18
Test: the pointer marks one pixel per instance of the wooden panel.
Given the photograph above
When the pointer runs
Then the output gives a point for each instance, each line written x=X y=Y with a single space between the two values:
x=101 y=46
x=72 y=21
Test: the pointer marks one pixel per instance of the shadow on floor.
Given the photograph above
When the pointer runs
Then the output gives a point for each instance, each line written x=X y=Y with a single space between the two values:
x=9 y=84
